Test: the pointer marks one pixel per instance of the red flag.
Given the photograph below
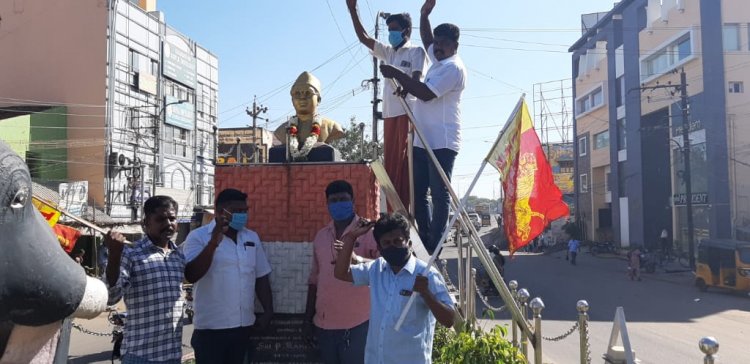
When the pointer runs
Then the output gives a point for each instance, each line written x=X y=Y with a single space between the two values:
x=532 y=200
x=67 y=236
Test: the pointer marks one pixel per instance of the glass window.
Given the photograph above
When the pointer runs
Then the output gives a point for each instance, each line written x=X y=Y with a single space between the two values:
x=597 y=98
x=582 y=146
x=622 y=140
x=684 y=49
x=601 y=140
x=736 y=87
x=583 y=183
x=731 y=36
x=620 y=91
x=666 y=58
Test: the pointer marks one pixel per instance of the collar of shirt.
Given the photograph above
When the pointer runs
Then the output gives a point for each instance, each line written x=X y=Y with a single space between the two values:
x=407 y=44
x=332 y=227
x=146 y=243
x=410 y=266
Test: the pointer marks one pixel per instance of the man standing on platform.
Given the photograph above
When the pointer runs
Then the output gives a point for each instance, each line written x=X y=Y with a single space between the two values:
x=438 y=118
x=228 y=265
x=337 y=311
x=411 y=60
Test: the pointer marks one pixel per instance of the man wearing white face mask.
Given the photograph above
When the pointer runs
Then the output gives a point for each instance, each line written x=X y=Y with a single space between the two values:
x=228 y=265
x=410 y=59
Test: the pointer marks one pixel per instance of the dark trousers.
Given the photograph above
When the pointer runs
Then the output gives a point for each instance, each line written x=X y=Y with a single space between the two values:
x=396 y=143
x=426 y=176
x=223 y=346
x=343 y=346
x=573 y=257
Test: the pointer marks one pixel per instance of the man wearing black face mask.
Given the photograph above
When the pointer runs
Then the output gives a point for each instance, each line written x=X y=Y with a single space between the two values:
x=392 y=280
x=228 y=265
x=337 y=313
x=412 y=61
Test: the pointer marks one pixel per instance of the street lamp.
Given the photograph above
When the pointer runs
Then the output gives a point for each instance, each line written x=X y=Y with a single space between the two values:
x=157 y=141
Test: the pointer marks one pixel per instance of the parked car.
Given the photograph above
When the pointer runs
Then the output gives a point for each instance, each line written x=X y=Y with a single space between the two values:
x=476 y=220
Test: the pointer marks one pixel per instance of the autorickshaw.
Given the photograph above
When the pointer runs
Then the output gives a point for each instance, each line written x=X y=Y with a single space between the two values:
x=723 y=263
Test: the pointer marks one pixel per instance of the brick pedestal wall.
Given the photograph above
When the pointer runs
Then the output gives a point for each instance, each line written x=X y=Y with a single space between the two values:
x=287 y=208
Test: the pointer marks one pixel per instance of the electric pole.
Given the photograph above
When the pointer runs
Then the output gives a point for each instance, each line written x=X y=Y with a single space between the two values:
x=686 y=174
x=254 y=113
x=376 y=115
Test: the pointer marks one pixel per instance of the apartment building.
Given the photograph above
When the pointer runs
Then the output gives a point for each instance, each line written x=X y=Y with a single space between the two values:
x=630 y=171
x=141 y=98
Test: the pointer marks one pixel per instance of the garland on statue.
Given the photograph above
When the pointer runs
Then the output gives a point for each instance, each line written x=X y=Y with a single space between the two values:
x=310 y=141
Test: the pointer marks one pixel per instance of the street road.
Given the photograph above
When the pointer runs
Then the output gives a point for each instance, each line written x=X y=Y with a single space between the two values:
x=666 y=315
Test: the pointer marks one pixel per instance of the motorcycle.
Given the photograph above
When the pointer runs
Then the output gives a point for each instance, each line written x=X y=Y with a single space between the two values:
x=118 y=320
x=602 y=248
x=649 y=261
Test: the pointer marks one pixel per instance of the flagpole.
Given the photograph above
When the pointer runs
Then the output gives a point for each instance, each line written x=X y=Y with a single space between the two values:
x=482 y=253
x=74 y=218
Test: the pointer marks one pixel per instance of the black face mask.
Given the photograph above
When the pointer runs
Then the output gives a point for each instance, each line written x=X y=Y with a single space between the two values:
x=396 y=257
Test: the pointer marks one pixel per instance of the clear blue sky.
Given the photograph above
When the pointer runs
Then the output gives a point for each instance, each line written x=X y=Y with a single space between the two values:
x=262 y=46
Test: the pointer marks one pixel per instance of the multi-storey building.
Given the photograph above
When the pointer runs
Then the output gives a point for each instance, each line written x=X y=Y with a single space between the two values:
x=629 y=119
x=140 y=98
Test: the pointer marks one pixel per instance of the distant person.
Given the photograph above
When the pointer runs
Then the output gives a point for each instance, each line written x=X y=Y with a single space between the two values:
x=573 y=248
x=410 y=59
x=634 y=264
x=666 y=246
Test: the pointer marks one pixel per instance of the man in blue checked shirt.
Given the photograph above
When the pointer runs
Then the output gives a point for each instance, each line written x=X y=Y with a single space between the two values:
x=149 y=274
x=393 y=278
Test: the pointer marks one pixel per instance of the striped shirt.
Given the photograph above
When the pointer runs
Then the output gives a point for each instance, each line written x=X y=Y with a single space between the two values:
x=151 y=283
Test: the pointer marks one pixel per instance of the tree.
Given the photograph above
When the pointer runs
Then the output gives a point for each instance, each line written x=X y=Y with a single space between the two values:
x=355 y=146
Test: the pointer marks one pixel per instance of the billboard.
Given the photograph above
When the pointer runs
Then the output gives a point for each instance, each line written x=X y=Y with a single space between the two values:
x=235 y=146
x=179 y=115
x=73 y=197
x=178 y=61
x=560 y=157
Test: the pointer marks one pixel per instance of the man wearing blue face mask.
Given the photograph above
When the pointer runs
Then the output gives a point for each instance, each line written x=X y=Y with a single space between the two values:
x=337 y=313
x=228 y=265
x=410 y=59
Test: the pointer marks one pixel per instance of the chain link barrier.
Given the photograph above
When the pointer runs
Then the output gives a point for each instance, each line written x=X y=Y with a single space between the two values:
x=563 y=336
x=89 y=332
x=588 y=341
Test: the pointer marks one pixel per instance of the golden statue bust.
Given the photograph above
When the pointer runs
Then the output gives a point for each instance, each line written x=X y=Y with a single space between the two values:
x=306 y=129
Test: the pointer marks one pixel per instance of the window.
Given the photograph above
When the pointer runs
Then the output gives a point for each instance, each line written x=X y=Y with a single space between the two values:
x=667 y=58
x=565 y=166
x=583 y=183
x=590 y=101
x=736 y=87
x=620 y=91
x=601 y=140
x=176 y=141
x=582 y=146
x=622 y=139
x=731 y=37
x=607 y=183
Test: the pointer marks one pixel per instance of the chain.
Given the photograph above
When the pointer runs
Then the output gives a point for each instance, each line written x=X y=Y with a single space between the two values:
x=563 y=336
x=486 y=303
x=89 y=332
x=588 y=341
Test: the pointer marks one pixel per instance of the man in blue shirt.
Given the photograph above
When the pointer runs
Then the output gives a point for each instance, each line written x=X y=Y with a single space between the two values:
x=393 y=278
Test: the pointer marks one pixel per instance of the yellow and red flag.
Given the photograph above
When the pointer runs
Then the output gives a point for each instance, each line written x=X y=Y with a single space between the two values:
x=67 y=236
x=532 y=200
x=48 y=212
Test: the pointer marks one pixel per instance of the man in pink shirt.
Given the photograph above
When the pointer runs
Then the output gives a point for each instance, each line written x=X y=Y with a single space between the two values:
x=337 y=312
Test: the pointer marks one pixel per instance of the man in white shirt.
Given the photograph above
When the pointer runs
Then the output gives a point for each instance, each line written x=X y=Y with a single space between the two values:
x=411 y=60
x=227 y=263
x=438 y=118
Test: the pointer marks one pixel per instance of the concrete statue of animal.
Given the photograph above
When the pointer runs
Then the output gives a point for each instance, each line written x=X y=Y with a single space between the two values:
x=40 y=285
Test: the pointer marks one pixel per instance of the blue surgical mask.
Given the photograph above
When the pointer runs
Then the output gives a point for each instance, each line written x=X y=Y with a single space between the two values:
x=342 y=210
x=395 y=37
x=239 y=220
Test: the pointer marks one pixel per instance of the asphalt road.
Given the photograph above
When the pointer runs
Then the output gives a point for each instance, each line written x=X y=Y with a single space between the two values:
x=666 y=315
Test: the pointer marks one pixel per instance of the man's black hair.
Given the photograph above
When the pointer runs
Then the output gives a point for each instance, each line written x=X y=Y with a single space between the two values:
x=339 y=186
x=447 y=30
x=229 y=195
x=156 y=202
x=390 y=223
x=403 y=20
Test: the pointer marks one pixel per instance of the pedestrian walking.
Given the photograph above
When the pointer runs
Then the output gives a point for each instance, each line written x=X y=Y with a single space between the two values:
x=634 y=264
x=573 y=247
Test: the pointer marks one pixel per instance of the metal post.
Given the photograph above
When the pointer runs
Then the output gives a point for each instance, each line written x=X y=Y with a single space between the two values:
x=537 y=305
x=687 y=175
x=513 y=285
x=709 y=346
x=470 y=287
x=461 y=272
x=471 y=292
x=410 y=155
x=523 y=299
x=583 y=307
x=256 y=110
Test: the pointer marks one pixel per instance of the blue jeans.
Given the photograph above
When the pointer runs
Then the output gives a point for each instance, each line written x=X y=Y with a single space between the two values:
x=343 y=346
x=431 y=225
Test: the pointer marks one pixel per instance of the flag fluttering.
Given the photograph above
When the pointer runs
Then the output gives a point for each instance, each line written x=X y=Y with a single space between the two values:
x=532 y=200
x=50 y=214
x=67 y=236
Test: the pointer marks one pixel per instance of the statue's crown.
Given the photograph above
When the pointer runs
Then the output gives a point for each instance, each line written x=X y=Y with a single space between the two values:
x=307 y=78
